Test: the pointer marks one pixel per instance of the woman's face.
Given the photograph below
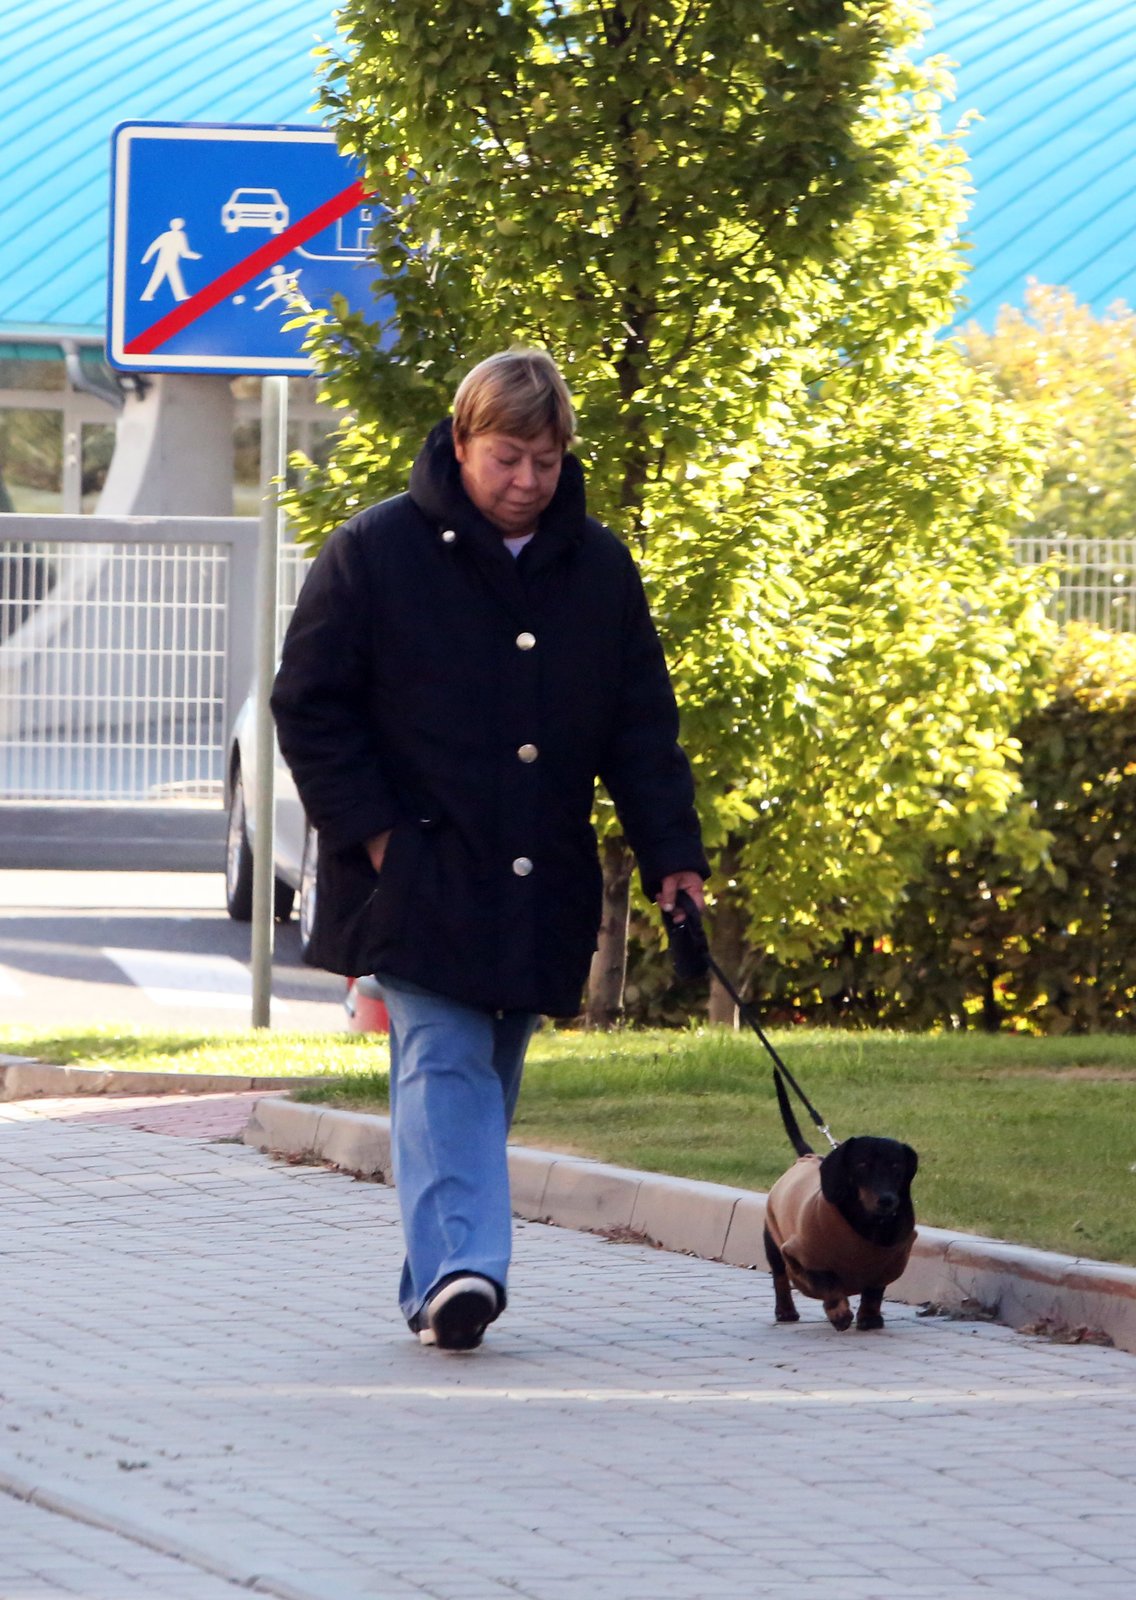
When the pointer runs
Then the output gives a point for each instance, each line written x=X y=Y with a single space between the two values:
x=510 y=480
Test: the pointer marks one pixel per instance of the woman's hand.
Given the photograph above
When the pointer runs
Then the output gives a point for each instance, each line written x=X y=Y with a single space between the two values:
x=672 y=883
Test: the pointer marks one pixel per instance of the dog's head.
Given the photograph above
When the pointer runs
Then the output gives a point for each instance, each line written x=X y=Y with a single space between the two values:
x=871 y=1176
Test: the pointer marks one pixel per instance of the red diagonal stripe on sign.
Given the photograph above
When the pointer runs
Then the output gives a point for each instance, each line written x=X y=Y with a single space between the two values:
x=160 y=332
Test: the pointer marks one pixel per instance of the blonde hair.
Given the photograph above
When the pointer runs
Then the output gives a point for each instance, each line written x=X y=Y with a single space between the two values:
x=520 y=392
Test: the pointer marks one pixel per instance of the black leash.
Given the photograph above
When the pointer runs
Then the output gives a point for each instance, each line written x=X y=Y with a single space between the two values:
x=690 y=952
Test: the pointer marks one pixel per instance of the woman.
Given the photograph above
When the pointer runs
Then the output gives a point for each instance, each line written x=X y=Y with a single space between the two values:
x=465 y=660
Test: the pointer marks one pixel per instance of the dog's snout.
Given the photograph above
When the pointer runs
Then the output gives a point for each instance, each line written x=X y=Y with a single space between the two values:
x=887 y=1201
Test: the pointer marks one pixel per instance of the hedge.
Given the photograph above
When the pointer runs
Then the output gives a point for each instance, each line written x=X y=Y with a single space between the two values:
x=976 y=943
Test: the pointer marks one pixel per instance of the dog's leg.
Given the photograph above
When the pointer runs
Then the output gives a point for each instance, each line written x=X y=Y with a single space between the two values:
x=831 y=1293
x=785 y=1310
x=838 y=1311
x=869 y=1316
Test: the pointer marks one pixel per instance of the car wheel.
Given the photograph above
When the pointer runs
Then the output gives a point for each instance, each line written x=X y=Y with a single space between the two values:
x=308 y=871
x=238 y=857
x=283 y=899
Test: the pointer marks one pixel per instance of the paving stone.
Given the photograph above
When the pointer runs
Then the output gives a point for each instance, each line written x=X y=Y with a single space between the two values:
x=637 y=1427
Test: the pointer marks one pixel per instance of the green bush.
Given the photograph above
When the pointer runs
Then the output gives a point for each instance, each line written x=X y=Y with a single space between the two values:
x=978 y=943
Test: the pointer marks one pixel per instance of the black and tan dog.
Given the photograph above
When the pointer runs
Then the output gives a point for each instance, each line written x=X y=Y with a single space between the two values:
x=840 y=1225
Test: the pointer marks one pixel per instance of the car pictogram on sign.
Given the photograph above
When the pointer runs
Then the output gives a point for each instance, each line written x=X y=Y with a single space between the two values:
x=254 y=208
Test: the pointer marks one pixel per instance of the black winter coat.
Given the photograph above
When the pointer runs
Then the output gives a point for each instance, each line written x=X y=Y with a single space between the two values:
x=433 y=684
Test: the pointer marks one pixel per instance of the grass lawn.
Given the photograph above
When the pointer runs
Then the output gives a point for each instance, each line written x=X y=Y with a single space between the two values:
x=1031 y=1140
x=247 y=1054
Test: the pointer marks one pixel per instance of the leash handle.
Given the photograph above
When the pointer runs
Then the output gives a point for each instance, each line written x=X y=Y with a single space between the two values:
x=697 y=937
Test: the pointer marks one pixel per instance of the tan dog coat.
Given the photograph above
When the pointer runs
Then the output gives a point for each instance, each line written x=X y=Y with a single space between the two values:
x=813 y=1237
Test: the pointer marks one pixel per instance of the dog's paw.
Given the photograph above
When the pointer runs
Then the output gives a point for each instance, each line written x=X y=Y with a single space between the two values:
x=789 y=1314
x=840 y=1315
x=869 y=1321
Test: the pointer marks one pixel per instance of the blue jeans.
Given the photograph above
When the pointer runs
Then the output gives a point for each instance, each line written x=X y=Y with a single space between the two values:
x=454 y=1079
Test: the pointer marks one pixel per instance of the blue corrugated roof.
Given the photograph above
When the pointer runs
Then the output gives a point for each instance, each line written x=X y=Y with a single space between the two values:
x=1054 y=157
x=1053 y=160
x=78 y=68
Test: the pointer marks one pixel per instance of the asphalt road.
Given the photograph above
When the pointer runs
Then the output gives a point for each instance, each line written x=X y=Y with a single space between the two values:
x=153 y=949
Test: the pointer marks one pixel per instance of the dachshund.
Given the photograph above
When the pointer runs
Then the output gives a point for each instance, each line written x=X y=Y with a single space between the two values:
x=839 y=1225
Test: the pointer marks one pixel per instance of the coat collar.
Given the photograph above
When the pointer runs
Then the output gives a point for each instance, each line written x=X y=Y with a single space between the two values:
x=436 y=489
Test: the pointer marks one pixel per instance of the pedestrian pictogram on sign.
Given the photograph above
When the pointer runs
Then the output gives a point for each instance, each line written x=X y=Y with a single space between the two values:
x=220 y=235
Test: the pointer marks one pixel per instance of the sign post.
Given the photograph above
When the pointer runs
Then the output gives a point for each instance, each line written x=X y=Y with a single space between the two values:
x=273 y=460
x=220 y=236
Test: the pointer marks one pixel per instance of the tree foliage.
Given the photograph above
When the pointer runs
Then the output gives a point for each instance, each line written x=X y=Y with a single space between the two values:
x=733 y=223
x=1074 y=374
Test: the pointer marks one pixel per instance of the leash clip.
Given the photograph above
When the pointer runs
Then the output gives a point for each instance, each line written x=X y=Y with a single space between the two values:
x=824 y=1129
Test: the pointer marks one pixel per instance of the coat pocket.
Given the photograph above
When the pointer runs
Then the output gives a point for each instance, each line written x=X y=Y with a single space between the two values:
x=392 y=890
x=360 y=912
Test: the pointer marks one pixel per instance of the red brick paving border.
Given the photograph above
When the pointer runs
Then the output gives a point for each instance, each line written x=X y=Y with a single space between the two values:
x=206 y=1116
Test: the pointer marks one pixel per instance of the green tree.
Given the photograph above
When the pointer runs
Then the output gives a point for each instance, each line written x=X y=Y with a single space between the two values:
x=731 y=221
x=1074 y=374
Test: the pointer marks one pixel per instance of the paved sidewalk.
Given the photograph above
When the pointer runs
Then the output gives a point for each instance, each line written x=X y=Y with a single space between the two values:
x=204 y=1385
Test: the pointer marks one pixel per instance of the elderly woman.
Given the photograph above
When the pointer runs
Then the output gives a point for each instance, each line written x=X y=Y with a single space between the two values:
x=465 y=660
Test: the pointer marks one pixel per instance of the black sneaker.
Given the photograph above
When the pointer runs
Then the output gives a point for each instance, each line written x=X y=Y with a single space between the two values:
x=459 y=1311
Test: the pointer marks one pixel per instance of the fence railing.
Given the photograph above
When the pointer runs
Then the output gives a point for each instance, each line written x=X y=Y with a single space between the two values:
x=1096 y=578
x=291 y=571
x=126 y=647
x=127 y=644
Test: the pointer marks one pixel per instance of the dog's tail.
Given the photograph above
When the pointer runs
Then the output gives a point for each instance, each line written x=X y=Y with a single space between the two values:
x=796 y=1138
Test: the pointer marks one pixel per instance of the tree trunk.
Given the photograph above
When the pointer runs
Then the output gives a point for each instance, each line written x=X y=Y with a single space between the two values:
x=722 y=1013
x=991 y=1010
x=727 y=932
x=609 y=964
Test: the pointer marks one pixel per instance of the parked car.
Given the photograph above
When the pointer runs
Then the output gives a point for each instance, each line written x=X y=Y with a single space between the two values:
x=296 y=843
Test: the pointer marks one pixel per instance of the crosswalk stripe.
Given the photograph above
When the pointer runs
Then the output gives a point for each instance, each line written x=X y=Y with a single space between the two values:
x=181 y=978
x=9 y=984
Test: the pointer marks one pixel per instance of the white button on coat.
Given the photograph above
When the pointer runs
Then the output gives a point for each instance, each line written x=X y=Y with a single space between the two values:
x=525 y=641
x=448 y=536
x=522 y=866
x=527 y=752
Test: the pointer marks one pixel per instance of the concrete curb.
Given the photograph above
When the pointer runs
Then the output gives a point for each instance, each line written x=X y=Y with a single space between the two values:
x=22 y=1078
x=1006 y=1283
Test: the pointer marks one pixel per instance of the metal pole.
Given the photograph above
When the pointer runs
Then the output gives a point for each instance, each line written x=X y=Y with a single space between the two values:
x=273 y=456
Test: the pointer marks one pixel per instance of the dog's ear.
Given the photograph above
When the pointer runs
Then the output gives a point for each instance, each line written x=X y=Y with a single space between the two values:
x=834 y=1172
x=912 y=1158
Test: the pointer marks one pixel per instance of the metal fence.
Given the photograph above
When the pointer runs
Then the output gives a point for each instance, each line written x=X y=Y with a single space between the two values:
x=291 y=571
x=127 y=643
x=1096 y=578
x=126 y=646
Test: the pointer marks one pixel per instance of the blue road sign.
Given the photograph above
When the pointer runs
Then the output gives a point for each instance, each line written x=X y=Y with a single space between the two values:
x=220 y=234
